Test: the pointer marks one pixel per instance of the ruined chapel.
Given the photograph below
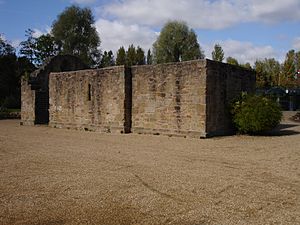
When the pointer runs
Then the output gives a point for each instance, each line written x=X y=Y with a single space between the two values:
x=187 y=99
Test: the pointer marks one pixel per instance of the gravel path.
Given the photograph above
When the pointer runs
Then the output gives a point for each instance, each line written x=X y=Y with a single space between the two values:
x=53 y=176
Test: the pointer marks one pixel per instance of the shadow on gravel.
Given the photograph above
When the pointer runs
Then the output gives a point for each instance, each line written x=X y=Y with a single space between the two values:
x=282 y=130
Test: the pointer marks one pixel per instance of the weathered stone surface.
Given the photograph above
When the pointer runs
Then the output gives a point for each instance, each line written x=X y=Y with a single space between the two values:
x=169 y=98
x=27 y=103
x=35 y=89
x=182 y=99
x=88 y=99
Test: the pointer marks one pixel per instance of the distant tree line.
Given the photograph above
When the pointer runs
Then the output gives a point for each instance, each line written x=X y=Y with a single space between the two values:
x=269 y=71
x=73 y=33
x=12 y=67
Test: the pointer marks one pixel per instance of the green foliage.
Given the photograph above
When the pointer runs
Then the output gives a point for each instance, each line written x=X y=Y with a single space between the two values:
x=218 y=53
x=5 y=48
x=107 y=59
x=131 y=56
x=37 y=50
x=149 y=57
x=140 y=56
x=75 y=32
x=232 y=61
x=11 y=70
x=176 y=43
x=247 y=66
x=121 y=56
x=267 y=72
x=254 y=114
x=289 y=69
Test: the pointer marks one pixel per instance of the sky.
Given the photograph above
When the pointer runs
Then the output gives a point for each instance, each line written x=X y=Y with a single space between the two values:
x=246 y=29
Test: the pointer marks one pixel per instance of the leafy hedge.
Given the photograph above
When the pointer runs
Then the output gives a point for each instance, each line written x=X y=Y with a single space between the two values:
x=253 y=114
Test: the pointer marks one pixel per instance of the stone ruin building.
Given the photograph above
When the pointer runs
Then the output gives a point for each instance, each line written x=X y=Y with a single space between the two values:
x=187 y=99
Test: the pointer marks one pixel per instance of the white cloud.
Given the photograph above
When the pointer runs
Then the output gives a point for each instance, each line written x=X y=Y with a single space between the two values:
x=208 y=14
x=2 y=36
x=296 y=43
x=37 y=32
x=272 y=11
x=243 y=51
x=16 y=43
x=114 y=34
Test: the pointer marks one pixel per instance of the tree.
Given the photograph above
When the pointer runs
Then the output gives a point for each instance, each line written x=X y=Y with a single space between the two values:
x=46 y=47
x=140 y=56
x=267 y=72
x=247 y=66
x=149 y=57
x=289 y=69
x=218 y=53
x=131 y=56
x=297 y=60
x=7 y=70
x=28 y=47
x=107 y=59
x=5 y=48
x=75 y=32
x=232 y=61
x=37 y=50
x=176 y=43
x=11 y=70
x=121 y=56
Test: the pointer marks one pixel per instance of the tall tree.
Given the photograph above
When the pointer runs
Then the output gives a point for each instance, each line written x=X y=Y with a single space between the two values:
x=267 y=72
x=28 y=47
x=149 y=57
x=5 y=48
x=74 y=30
x=11 y=69
x=232 y=61
x=107 y=59
x=7 y=70
x=289 y=69
x=297 y=60
x=176 y=42
x=121 y=56
x=140 y=56
x=218 y=53
x=131 y=56
x=37 y=50
x=46 y=47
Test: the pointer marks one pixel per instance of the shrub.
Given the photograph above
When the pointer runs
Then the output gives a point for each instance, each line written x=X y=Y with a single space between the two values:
x=254 y=114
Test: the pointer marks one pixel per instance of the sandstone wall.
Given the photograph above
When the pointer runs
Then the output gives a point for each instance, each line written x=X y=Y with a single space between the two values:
x=183 y=99
x=224 y=82
x=27 y=103
x=169 y=98
x=88 y=99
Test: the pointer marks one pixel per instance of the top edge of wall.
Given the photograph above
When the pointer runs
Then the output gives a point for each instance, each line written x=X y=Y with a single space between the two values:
x=92 y=70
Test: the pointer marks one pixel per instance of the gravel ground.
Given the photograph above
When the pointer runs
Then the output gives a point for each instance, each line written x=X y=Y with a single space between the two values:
x=53 y=176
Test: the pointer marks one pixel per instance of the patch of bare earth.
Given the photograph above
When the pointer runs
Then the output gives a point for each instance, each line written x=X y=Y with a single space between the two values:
x=54 y=176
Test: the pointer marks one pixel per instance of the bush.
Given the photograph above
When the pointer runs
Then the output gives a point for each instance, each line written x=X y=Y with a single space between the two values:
x=253 y=114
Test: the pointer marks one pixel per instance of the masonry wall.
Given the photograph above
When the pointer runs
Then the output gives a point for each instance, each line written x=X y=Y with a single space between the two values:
x=224 y=83
x=88 y=99
x=169 y=98
x=27 y=103
x=182 y=99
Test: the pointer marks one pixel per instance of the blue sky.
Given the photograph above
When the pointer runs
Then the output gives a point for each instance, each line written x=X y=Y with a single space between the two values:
x=246 y=29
